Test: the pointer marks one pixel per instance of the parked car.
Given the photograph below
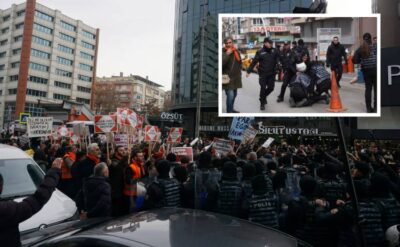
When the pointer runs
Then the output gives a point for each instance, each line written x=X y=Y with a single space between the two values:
x=163 y=227
x=21 y=177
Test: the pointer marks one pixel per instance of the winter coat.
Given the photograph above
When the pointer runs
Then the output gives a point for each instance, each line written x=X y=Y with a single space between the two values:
x=163 y=192
x=97 y=196
x=12 y=213
x=230 y=197
x=267 y=60
x=233 y=68
x=116 y=178
x=368 y=63
x=334 y=55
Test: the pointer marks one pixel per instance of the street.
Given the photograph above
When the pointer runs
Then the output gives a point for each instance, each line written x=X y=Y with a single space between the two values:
x=247 y=100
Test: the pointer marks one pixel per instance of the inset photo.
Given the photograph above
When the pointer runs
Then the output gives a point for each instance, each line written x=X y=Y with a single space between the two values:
x=299 y=65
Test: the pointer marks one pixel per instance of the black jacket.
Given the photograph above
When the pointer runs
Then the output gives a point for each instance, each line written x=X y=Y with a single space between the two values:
x=12 y=213
x=97 y=196
x=288 y=60
x=116 y=177
x=334 y=55
x=83 y=170
x=267 y=60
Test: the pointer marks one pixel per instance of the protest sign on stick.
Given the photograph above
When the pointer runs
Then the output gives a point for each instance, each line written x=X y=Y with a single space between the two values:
x=238 y=126
x=175 y=135
x=223 y=146
x=105 y=124
x=181 y=151
x=39 y=126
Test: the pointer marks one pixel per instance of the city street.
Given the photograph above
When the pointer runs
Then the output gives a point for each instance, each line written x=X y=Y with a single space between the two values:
x=352 y=96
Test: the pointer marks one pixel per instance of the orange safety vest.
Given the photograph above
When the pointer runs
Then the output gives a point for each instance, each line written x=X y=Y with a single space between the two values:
x=65 y=170
x=130 y=189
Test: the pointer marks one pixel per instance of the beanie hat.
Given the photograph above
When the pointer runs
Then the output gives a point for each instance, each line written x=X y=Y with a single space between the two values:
x=163 y=167
x=268 y=40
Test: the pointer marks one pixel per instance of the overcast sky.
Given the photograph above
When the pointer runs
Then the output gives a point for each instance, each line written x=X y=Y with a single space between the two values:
x=135 y=36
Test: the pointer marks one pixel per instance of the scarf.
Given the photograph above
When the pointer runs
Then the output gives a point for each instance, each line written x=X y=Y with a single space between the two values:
x=93 y=158
x=236 y=54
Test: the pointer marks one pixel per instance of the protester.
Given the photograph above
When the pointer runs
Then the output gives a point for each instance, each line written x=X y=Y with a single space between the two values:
x=66 y=184
x=267 y=58
x=12 y=213
x=288 y=61
x=334 y=60
x=231 y=66
x=97 y=193
x=116 y=170
x=132 y=174
x=366 y=55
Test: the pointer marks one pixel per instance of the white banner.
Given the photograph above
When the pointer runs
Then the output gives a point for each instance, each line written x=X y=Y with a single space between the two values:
x=39 y=126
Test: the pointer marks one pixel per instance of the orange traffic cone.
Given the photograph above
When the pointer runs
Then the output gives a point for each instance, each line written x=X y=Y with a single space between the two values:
x=336 y=103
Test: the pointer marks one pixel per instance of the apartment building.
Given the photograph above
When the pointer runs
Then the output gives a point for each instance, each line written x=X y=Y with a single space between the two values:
x=44 y=55
x=131 y=91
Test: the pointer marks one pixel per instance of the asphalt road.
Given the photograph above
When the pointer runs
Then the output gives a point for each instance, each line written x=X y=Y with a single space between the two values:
x=247 y=100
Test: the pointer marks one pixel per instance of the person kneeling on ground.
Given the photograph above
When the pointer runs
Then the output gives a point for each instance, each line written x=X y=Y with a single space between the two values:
x=299 y=86
x=320 y=83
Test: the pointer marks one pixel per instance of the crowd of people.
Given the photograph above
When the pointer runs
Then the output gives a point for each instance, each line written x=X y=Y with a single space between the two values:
x=302 y=190
x=309 y=81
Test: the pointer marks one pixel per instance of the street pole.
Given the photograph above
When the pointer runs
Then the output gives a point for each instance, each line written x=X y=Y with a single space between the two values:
x=200 y=81
x=342 y=147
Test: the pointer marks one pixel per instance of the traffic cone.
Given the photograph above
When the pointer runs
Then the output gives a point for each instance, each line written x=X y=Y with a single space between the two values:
x=336 y=103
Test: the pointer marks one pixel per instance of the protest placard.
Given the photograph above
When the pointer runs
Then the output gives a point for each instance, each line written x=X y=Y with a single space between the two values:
x=151 y=133
x=105 y=124
x=181 y=151
x=39 y=126
x=268 y=142
x=249 y=134
x=238 y=126
x=121 y=140
x=62 y=130
x=223 y=146
x=175 y=135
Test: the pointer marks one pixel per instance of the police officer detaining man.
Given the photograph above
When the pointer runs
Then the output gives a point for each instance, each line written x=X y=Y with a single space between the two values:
x=267 y=59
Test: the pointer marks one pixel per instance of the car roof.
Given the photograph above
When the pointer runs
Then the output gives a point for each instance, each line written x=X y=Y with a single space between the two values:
x=9 y=152
x=183 y=227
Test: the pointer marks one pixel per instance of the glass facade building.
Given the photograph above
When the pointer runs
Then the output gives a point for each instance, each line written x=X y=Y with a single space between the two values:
x=196 y=52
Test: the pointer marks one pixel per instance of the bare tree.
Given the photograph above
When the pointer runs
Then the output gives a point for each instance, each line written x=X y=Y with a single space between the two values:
x=106 y=99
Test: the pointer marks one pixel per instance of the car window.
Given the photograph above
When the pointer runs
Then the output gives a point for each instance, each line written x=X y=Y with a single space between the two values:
x=21 y=177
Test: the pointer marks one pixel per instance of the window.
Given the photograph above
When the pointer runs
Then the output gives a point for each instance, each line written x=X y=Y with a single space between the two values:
x=44 y=16
x=3 y=42
x=63 y=73
x=37 y=79
x=88 y=34
x=1 y=92
x=82 y=100
x=40 y=54
x=41 y=41
x=65 y=49
x=85 y=78
x=42 y=28
x=60 y=96
x=5 y=30
x=64 y=61
x=2 y=66
x=12 y=91
x=87 y=45
x=21 y=13
x=67 y=26
x=16 y=51
x=36 y=93
x=15 y=65
x=1 y=79
x=39 y=67
x=84 y=89
x=86 y=56
x=62 y=84
x=18 y=38
x=6 y=18
x=13 y=77
x=67 y=37
x=85 y=67
x=19 y=25
x=3 y=54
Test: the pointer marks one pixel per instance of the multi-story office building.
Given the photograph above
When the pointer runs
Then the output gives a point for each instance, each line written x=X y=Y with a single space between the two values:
x=43 y=55
x=129 y=91
x=195 y=75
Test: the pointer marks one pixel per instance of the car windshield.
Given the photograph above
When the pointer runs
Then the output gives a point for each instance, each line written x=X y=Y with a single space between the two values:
x=21 y=177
